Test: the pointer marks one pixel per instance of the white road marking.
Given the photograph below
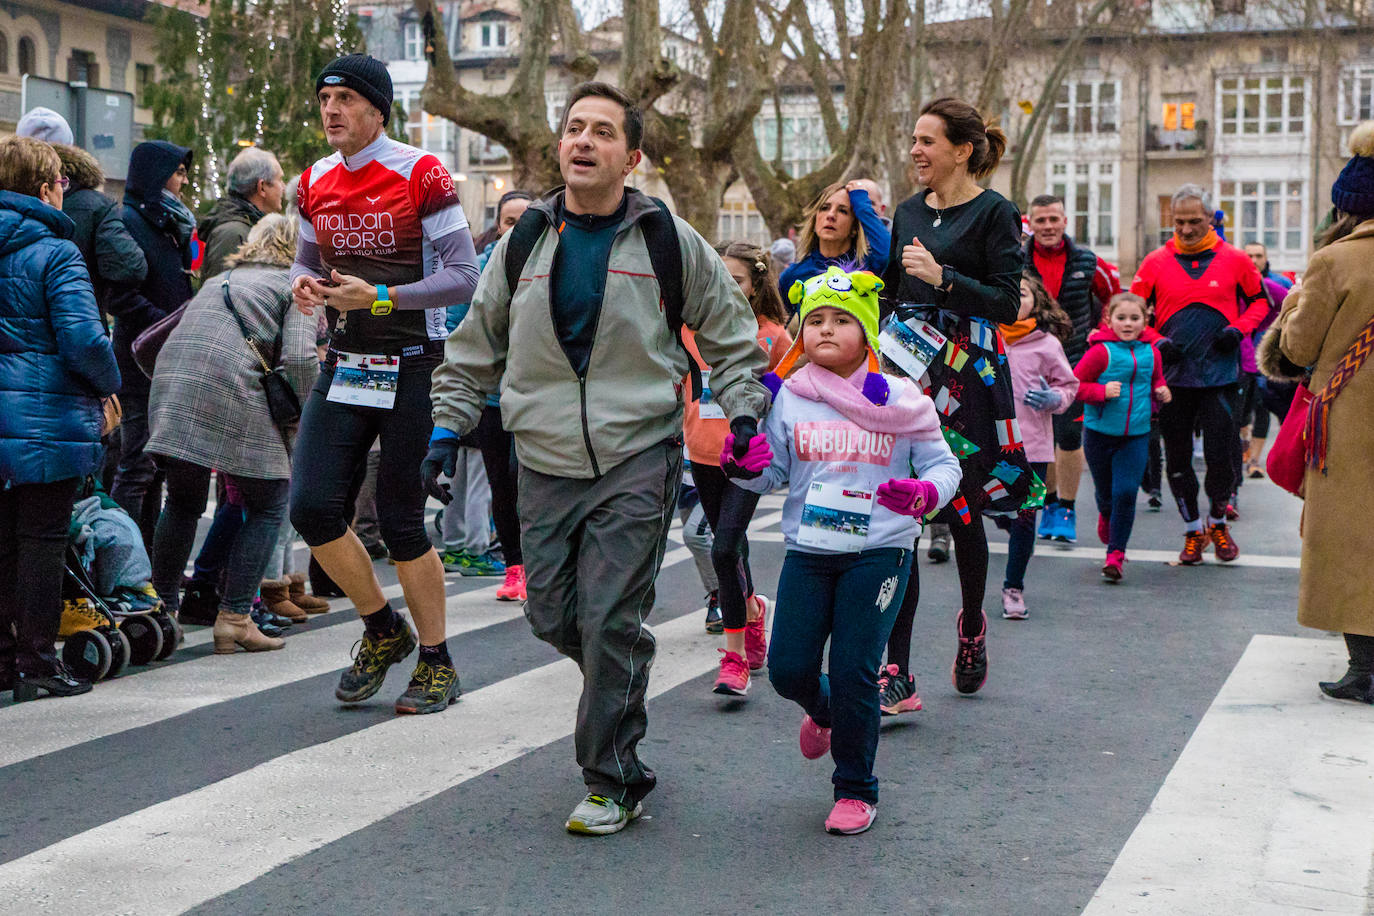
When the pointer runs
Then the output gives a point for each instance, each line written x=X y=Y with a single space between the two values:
x=185 y=851
x=1268 y=809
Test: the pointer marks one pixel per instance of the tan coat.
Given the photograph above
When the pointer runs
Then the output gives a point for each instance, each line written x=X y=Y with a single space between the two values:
x=1317 y=326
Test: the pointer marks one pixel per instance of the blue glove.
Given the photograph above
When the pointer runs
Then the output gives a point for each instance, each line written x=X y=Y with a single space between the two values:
x=1043 y=398
x=442 y=459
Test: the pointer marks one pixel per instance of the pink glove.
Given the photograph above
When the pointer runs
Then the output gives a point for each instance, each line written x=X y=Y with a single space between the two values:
x=752 y=463
x=907 y=496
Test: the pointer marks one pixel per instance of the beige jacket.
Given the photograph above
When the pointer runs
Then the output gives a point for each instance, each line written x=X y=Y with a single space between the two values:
x=631 y=396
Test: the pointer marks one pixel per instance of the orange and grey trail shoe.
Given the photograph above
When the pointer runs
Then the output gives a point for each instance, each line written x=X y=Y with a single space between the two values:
x=1194 y=542
x=1225 y=545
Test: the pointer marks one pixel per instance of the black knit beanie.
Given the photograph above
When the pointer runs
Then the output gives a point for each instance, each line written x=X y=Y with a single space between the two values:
x=365 y=75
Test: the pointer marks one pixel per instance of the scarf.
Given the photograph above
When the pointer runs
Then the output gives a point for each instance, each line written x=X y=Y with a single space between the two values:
x=910 y=414
x=1208 y=242
x=1011 y=333
x=182 y=218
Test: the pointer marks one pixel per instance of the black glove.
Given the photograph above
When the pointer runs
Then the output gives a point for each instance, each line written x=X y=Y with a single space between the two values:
x=1228 y=340
x=442 y=459
x=745 y=429
x=1168 y=351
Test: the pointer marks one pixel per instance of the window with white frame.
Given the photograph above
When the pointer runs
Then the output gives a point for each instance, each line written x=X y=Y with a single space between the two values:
x=1089 y=191
x=1256 y=106
x=485 y=151
x=423 y=129
x=493 y=35
x=805 y=147
x=1270 y=212
x=414 y=41
x=740 y=221
x=555 y=100
x=1356 y=95
x=1086 y=107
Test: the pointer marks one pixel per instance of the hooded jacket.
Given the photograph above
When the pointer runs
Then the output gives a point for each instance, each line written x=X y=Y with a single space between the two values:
x=1133 y=363
x=112 y=256
x=55 y=360
x=1031 y=358
x=168 y=282
x=224 y=229
x=630 y=397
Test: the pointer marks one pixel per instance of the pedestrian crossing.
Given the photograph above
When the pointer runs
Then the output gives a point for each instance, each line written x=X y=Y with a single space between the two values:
x=301 y=775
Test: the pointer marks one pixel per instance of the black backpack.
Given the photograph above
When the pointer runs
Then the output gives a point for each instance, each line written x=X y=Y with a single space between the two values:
x=665 y=253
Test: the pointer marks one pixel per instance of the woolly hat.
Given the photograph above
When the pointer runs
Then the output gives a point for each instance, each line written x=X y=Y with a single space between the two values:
x=855 y=293
x=1353 y=191
x=365 y=75
x=44 y=124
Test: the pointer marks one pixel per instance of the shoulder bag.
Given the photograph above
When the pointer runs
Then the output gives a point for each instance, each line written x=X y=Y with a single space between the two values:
x=282 y=403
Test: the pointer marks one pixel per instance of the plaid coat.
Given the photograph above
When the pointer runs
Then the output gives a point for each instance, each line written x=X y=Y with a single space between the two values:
x=207 y=405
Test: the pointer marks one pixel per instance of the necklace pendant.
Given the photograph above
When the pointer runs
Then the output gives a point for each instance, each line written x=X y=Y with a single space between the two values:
x=937 y=221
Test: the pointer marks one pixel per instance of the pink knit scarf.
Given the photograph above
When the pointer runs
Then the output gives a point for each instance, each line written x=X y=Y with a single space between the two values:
x=910 y=413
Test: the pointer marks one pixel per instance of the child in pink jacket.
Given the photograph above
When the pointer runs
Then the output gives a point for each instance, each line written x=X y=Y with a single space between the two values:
x=1042 y=383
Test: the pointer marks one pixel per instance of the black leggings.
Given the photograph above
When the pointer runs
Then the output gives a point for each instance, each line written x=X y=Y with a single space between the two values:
x=33 y=540
x=332 y=446
x=971 y=557
x=729 y=509
x=1211 y=409
x=498 y=457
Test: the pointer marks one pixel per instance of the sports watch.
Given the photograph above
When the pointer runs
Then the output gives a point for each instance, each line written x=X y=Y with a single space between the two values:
x=383 y=305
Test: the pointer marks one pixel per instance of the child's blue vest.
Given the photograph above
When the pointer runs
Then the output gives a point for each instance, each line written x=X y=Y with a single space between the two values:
x=1132 y=364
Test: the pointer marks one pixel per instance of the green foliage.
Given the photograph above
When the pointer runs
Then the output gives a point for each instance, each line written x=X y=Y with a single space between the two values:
x=241 y=63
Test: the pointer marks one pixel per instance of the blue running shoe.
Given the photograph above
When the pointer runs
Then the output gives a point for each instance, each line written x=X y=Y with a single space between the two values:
x=1066 y=528
x=1048 y=518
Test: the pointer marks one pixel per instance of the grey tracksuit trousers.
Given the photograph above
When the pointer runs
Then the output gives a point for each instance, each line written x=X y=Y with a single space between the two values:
x=592 y=551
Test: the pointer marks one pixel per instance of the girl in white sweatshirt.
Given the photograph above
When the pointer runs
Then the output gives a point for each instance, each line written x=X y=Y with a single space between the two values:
x=865 y=461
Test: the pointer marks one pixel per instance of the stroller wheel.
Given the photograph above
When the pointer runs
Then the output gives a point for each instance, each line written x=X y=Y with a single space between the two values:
x=88 y=654
x=171 y=633
x=119 y=646
x=145 y=638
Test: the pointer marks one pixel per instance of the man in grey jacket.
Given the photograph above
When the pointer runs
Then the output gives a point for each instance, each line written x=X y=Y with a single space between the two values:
x=591 y=381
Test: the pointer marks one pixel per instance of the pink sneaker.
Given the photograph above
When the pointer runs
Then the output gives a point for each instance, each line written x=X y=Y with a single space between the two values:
x=1014 y=604
x=756 y=638
x=850 y=816
x=1104 y=529
x=734 y=675
x=815 y=741
x=514 y=587
x=1111 y=570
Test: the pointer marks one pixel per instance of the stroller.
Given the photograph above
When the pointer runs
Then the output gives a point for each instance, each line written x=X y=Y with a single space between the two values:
x=111 y=617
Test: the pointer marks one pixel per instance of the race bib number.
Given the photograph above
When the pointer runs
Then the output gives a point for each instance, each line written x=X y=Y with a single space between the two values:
x=912 y=344
x=707 y=406
x=366 y=380
x=835 y=517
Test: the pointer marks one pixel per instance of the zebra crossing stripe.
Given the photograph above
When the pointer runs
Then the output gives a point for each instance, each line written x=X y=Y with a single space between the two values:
x=180 y=853
x=1267 y=810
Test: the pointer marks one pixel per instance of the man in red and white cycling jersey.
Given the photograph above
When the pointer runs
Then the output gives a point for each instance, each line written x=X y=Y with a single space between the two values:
x=384 y=247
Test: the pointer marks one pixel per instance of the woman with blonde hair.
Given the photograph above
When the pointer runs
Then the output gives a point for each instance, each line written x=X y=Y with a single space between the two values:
x=208 y=409
x=840 y=228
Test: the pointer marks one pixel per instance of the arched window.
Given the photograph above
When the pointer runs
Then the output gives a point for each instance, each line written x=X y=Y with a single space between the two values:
x=4 y=53
x=28 y=57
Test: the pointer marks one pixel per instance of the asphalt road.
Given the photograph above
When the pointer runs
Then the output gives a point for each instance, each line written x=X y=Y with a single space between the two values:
x=237 y=785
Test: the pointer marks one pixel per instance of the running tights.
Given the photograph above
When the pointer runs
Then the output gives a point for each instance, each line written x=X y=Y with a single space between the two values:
x=1210 y=409
x=729 y=509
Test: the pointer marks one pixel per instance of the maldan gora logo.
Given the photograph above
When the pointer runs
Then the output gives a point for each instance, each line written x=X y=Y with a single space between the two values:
x=439 y=174
x=362 y=233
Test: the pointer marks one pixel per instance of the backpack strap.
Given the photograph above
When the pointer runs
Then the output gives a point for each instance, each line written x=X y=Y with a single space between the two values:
x=523 y=237
x=665 y=254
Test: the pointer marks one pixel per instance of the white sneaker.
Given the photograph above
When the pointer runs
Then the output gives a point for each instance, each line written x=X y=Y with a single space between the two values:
x=1014 y=604
x=597 y=815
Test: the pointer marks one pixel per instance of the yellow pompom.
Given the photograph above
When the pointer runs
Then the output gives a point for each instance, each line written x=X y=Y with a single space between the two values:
x=1362 y=140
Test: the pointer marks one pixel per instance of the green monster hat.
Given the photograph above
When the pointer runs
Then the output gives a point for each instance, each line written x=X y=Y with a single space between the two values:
x=855 y=293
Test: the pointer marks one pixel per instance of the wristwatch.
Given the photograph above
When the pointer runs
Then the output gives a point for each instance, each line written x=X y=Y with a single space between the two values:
x=383 y=305
x=946 y=279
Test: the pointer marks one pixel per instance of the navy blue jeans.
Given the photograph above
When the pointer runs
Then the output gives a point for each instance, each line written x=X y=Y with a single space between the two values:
x=850 y=599
x=1021 y=541
x=1116 y=463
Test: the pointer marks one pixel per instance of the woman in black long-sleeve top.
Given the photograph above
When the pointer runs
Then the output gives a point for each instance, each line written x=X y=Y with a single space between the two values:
x=959 y=271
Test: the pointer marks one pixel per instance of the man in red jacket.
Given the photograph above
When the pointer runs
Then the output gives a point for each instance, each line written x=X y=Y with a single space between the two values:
x=1207 y=297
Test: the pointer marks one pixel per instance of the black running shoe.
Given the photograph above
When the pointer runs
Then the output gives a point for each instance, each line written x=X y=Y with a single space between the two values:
x=715 y=623
x=971 y=662
x=370 y=661
x=897 y=692
x=433 y=688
